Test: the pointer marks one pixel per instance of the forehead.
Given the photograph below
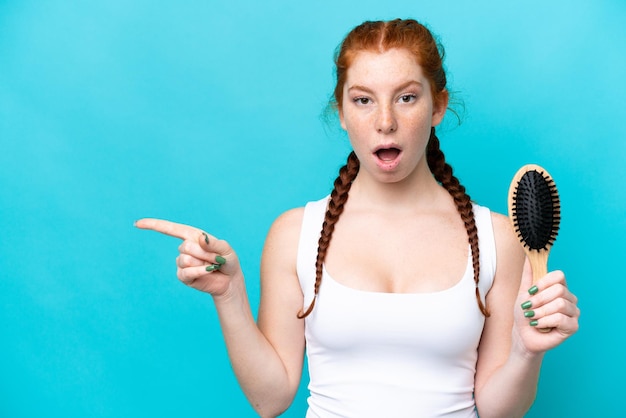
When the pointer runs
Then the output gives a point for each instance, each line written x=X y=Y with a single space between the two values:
x=391 y=66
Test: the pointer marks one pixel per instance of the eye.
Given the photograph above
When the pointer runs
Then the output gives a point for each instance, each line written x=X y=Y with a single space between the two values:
x=361 y=100
x=407 y=98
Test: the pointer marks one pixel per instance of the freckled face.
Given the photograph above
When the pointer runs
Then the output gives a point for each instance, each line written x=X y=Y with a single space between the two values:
x=388 y=112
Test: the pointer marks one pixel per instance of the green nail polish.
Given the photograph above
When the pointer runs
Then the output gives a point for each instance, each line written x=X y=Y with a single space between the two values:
x=533 y=290
x=526 y=304
x=533 y=323
x=529 y=314
x=213 y=267
x=220 y=260
x=206 y=238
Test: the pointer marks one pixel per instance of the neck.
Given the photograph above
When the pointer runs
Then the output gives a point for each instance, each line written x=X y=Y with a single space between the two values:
x=417 y=192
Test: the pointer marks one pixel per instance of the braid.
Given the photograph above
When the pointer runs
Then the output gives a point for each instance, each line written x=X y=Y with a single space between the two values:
x=443 y=174
x=338 y=198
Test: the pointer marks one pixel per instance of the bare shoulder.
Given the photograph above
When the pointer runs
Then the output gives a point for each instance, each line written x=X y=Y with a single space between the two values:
x=281 y=243
x=291 y=217
x=509 y=262
x=509 y=258
x=281 y=295
x=285 y=229
x=508 y=246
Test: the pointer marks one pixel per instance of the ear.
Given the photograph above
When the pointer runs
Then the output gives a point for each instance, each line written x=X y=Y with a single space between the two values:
x=440 y=108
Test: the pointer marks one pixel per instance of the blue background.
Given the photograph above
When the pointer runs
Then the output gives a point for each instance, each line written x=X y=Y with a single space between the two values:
x=212 y=113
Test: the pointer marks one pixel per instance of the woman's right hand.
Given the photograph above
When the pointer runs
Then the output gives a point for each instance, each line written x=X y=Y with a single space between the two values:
x=205 y=262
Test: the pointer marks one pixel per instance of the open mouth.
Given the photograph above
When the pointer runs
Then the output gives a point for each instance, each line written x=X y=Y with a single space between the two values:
x=387 y=154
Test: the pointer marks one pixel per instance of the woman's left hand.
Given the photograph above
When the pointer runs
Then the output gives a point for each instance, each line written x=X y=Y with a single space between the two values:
x=546 y=314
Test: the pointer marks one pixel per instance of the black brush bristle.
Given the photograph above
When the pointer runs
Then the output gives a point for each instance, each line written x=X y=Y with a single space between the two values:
x=536 y=210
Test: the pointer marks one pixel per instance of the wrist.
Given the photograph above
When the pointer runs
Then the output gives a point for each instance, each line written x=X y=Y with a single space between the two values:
x=235 y=291
x=520 y=353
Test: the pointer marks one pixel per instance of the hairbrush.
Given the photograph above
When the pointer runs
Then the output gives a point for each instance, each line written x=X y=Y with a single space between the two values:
x=535 y=211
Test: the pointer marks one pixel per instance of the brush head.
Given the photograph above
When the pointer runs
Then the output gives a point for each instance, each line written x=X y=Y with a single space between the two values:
x=535 y=208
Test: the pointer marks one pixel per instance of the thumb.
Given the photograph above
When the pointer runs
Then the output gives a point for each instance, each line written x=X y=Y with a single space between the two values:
x=211 y=244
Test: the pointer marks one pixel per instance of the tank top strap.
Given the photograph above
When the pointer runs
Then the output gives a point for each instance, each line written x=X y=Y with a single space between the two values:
x=487 y=246
x=310 y=233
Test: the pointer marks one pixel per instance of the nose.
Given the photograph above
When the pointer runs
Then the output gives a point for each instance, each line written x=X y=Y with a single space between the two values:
x=386 y=121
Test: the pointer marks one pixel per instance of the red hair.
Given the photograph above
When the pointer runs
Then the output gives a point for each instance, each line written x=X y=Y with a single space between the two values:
x=382 y=36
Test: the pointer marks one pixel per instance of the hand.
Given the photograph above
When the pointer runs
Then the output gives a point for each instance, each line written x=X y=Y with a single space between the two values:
x=551 y=309
x=204 y=263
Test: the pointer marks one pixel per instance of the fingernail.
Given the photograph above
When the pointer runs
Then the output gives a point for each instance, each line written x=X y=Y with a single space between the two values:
x=206 y=238
x=213 y=267
x=529 y=314
x=220 y=260
x=533 y=290
x=526 y=304
x=533 y=323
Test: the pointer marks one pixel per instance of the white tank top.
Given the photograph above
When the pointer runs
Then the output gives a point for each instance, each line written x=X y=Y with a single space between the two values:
x=374 y=354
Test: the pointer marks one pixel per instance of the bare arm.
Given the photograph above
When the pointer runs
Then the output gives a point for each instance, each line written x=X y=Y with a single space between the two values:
x=511 y=350
x=267 y=359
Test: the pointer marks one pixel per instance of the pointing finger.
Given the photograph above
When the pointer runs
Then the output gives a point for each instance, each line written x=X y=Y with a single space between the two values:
x=168 y=228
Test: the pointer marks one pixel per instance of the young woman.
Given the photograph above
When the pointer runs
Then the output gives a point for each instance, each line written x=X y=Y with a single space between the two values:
x=409 y=299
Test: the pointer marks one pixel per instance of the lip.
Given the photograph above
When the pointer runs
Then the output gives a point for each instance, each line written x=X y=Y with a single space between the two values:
x=387 y=164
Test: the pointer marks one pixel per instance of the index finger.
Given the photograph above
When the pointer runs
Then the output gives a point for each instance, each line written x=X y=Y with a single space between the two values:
x=172 y=229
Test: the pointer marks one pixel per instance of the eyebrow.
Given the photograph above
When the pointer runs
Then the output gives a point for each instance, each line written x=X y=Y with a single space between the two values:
x=400 y=87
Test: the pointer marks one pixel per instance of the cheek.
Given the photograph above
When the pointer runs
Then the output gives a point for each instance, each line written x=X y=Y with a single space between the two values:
x=423 y=118
x=352 y=122
x=357 y=133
